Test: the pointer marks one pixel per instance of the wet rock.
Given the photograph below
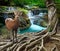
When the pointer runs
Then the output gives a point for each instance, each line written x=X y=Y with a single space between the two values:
x=35 y=11
x=24 y=21
x=43 y=23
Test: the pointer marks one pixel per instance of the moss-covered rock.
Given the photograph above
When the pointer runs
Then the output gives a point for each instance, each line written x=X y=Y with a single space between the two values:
x=44 y=21
x=24 y=21
x=25 y=24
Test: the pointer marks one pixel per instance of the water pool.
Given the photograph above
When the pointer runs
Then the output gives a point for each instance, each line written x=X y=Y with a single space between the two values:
x=32 y=28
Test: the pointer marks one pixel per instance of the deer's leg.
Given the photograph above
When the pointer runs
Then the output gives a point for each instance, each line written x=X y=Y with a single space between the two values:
x=16 y=35
x=13 y=35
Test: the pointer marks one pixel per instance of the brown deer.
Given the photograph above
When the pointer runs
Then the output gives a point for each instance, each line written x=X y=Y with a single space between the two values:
x=13 y=24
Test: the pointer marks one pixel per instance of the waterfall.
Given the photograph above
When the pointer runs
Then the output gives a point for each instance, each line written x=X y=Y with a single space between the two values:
x=34 y=17
x=41 y=14
x=34 y=27
x=11 y=8
x=31 y=17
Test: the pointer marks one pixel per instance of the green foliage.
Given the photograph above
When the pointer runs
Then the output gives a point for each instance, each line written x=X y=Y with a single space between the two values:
x=3 y=30
x=22 y=9
x=2 y=8
x=57 y=1
x=21 y=3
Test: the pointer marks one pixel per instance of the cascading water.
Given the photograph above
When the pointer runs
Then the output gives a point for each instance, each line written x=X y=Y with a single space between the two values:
x=35 y=17
x=30 y=15
x=33 y=27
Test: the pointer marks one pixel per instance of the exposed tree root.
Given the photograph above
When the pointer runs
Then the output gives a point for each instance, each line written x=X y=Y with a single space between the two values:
x=6 y=46
x=28 y=44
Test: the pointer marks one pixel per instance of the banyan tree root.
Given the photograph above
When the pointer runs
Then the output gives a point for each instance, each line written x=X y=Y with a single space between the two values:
x=31 y=44
x=5 y=46
x=11 y=48
x=37 y=41
x=20 y=46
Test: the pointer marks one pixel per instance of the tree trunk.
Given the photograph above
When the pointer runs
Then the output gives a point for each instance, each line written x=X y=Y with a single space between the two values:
x=52 y=17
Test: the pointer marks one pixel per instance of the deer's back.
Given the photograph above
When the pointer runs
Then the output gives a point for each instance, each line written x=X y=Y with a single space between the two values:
x=11 y=24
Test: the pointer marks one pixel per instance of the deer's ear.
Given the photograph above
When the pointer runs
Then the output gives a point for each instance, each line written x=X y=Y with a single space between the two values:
x=15 y=13
x=21 y=13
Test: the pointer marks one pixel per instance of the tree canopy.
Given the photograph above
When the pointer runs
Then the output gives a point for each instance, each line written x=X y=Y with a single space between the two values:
x=40 y=3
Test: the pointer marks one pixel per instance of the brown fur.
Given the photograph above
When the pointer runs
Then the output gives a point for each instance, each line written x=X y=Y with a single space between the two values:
x=13 y=24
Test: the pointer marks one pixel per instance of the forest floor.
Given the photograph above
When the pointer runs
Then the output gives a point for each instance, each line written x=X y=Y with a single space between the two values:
x=32 y=42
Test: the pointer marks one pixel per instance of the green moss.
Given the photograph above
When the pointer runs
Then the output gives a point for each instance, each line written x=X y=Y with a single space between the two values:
x=43 y=23
x=50 y=29
x=22 y=9
x=4 y=32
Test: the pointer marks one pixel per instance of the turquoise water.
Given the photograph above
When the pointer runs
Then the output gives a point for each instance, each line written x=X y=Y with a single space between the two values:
x=32 y=28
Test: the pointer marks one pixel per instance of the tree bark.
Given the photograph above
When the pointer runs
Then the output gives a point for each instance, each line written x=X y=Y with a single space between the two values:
x=52 y=16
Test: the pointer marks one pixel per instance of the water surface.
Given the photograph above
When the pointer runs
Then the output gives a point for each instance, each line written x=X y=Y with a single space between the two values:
x=33 y=27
